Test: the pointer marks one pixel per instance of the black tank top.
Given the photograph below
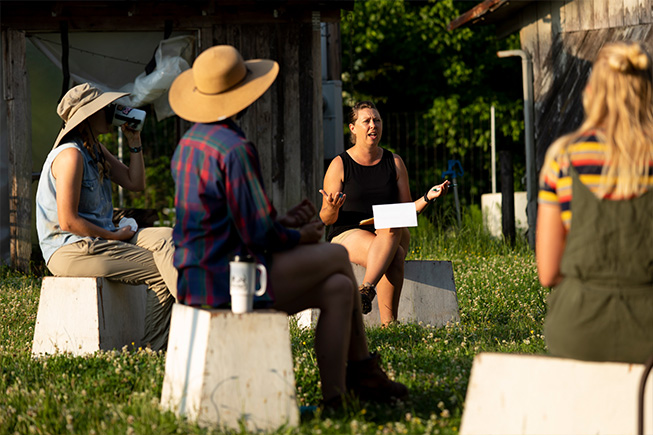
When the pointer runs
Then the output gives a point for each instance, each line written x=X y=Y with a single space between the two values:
x=365 y=186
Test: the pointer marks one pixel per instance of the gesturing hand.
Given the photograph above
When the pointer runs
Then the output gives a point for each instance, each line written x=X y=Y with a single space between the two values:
x=437 y=191
x=334 y=200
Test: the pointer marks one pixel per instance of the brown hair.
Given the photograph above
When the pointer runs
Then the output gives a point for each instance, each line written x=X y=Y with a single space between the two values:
x=93 y=147
x=353 y=115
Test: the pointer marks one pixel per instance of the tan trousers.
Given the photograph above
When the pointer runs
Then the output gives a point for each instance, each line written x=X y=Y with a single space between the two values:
x=145 y=259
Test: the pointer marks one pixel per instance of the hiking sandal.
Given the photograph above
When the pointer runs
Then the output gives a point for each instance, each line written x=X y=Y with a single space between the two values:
x=368 y=292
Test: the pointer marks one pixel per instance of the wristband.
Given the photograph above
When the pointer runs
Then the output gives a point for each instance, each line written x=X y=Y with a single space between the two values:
x=136 y=149
x=426 y=198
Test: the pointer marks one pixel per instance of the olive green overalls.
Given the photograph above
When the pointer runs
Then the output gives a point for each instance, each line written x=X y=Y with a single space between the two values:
x=603 y=308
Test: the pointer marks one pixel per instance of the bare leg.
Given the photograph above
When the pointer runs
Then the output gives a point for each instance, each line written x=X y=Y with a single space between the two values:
x=320 y=276
x=383 y=257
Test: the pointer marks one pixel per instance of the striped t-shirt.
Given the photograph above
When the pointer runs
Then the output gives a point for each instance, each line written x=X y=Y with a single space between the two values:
x=587 y=155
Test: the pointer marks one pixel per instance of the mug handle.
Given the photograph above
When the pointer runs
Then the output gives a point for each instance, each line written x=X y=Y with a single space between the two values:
x=263 y=280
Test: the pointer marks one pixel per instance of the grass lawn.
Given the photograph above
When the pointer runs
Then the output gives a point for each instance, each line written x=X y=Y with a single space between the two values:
x=502 y=308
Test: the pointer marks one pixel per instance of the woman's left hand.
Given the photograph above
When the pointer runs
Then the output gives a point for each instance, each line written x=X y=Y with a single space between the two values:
x=133 y=136
x=438 y=190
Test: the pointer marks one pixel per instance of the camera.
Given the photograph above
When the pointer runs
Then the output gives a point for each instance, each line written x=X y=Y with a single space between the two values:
x=117 y=114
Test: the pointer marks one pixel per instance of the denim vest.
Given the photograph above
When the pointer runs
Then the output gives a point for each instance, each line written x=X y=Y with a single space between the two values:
x=94 y=202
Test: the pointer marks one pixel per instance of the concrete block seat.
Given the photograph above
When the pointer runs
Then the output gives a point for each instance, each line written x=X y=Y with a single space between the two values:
x=428 y=296
x=82 y=315
x=530 y=394
x=224 y=369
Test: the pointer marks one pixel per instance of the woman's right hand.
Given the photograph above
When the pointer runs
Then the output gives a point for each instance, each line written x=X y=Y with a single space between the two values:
x=333 y=200
x=124 y=233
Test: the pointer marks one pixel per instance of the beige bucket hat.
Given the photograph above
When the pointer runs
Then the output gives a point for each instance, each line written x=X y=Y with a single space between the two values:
x=220 y=84
x=79 y=103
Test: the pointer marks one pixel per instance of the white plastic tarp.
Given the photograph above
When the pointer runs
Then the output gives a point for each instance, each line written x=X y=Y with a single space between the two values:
x=116 y=61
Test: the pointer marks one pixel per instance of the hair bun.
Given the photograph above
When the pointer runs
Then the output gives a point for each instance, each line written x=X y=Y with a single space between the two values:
x=618 y=62
x=627 y=58
x=637 y=58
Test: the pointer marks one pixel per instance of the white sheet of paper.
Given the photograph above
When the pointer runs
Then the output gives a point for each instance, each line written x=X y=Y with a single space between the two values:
x=395 y=215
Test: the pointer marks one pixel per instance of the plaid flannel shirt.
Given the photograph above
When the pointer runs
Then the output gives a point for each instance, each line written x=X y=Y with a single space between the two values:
x=222 y=210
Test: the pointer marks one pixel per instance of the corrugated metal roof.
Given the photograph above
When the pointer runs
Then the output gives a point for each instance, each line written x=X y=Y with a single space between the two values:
x=488 y=12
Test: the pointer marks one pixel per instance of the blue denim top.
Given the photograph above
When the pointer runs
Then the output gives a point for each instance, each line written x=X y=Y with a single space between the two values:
x=94 y=202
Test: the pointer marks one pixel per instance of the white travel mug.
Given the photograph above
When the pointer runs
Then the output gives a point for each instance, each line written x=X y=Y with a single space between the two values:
x=242 y=283
x=135 y=118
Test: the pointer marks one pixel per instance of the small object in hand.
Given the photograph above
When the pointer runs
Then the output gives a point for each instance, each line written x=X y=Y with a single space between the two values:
x=368 y=292
x=369 y=221
x=128 y=222
x=436 y=189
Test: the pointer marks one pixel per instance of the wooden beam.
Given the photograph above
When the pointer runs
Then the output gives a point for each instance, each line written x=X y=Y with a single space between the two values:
x=43 y=17
x=16 y=100
x=616 y=13
x=601 y=15
x=645 y=11
x=334 y=48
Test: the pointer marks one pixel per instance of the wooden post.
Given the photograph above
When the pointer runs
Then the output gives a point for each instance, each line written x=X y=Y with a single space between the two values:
x=19 y=144
x=507 y=197
x=334 y=48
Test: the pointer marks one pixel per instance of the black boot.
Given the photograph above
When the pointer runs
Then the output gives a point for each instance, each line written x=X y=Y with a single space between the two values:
x=367 y=381
x=368 y=292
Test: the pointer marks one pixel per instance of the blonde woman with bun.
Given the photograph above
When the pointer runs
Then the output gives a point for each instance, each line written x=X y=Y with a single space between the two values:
x=595 y=218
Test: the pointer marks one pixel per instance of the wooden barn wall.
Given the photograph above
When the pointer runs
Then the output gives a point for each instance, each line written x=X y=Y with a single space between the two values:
x=562 y=39
x=18 y=137
x=286 y=123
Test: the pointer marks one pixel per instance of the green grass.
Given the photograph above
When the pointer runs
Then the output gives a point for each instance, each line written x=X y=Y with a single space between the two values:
x=502 y=307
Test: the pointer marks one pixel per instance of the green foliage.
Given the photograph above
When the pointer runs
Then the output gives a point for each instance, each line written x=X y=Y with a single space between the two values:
x=400 y=55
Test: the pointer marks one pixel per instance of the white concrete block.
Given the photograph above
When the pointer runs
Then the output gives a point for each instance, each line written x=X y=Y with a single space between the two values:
x=307 y=318
x=84 y=315
x=428 y=296
x=528 y=394
x=223 y=369
x=491 y=209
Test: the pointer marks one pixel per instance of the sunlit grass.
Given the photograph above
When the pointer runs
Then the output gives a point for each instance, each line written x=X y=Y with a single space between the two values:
x=502 y=307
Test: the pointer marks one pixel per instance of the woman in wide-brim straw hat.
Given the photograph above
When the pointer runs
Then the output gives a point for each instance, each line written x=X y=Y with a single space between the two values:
x=595 y=217
x=223 y=210
x=74 y=210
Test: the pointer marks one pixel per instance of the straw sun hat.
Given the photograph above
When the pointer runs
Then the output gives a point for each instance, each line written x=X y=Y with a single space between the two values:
x=81 y=102
x=220 y=84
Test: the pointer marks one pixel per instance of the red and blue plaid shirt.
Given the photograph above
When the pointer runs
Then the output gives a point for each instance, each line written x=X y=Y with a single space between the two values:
x=222 y=210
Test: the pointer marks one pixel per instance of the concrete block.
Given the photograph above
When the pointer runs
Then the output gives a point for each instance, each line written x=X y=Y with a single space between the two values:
x=528 y=394
x=428 y=296
x=223 y=369
x=491 y=209
x=87 y=314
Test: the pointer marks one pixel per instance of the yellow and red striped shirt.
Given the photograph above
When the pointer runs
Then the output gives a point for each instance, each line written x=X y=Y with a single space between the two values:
x=587 y=155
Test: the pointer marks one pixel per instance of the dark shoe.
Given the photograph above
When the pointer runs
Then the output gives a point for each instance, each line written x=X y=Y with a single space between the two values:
x=335 y=407
x=368 y=292
x=367 y=381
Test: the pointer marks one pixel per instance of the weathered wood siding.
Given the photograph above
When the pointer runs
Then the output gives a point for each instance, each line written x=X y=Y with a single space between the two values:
x=286 y=123
x=19 y=133
x=563 y=38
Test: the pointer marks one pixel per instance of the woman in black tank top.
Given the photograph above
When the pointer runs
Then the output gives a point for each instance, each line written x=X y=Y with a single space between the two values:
x=363 y=176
